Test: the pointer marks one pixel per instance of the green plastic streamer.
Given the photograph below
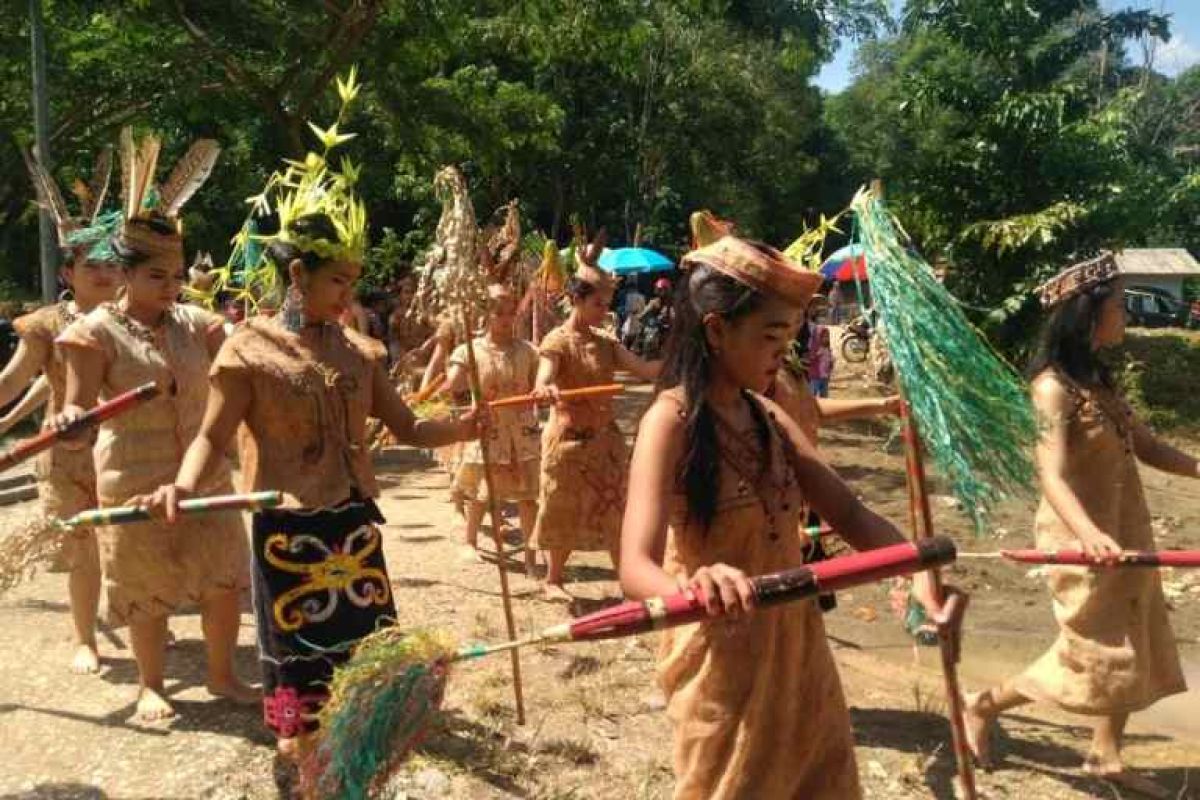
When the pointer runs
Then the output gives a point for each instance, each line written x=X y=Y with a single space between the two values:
x=973 y=410
x=380 y=704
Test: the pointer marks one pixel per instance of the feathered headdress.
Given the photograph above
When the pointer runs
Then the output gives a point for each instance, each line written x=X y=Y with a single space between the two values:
x=302 y=188
x=90 y=230
x=142 y=199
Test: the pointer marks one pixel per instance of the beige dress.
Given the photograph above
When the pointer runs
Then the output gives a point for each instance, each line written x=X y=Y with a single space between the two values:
x=305 y=430
x=1115 y=651
x=513 y=443
x=66 y=477
x=585 y=459
x=152 y=569
x=757 y=706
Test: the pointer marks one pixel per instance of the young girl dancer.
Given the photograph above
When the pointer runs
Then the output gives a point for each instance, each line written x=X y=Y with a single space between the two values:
x=66 y=475
x=507 y=367
x=150 y=570
x=718 y=482
x=1115 y=653
x=584 y=456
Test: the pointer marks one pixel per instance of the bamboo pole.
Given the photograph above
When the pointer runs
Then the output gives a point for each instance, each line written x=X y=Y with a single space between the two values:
x=919 y=509
x=494 y=513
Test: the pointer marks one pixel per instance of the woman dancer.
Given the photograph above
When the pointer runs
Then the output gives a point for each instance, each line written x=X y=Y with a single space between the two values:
x=584 y=456
x=719 y=477
x=66 y=475
x=301 y=387
x=152 y=571
x=1115 y=653
x=507 y=367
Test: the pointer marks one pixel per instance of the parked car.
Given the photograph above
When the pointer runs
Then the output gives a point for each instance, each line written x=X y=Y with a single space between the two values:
x=1148 y=307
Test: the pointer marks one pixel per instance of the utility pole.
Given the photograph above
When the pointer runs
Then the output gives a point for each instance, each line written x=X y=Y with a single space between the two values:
x=47 y=231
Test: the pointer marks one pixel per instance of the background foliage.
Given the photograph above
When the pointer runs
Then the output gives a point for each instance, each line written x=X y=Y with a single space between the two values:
x=1010 y=135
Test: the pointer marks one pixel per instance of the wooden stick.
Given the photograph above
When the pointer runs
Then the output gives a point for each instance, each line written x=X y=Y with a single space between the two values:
x=494 y=513
x=584 y=393
x=919 y=509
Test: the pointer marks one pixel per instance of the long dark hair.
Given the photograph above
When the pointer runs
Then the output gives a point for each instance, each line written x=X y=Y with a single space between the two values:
x=313 y=226
x=1065 y=343
x=688 y=365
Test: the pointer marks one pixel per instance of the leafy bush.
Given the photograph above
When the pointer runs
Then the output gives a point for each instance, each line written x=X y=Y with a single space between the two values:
x=1159 y=373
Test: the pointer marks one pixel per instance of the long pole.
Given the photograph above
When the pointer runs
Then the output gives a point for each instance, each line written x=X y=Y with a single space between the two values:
x=918 y=497
x=47 y=235
x=494 y=513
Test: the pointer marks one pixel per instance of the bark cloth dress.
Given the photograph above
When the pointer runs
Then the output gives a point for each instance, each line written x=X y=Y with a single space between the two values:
x=320 y=581
x=152 y=569
x=584 y=456
x=1115 y=652
x=66 y=478
x=513 y=446
x=757 y=705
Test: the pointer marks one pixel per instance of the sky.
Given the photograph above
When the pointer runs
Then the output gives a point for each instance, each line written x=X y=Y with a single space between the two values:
x=1172 y=58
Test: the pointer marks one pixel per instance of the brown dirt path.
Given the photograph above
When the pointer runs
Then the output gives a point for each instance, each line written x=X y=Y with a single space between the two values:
x=596 y=727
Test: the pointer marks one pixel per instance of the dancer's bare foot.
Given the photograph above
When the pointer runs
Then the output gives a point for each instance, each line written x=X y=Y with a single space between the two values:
x=152 y=706
x=86 y=660
x=555 y=593
x=470 y=554
x=1116 y=772
x=978 y=726
x=236 y=691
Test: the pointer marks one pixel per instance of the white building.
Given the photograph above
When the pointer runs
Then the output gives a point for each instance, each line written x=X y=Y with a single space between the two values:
x=1162 y=268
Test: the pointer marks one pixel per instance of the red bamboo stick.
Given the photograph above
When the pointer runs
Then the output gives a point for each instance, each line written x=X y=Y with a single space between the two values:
x=48 y=438
x=1129 y=558
x=640 y=616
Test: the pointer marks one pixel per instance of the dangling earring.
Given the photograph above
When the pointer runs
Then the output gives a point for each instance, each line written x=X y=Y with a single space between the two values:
x=292 y=313
x=66 y=295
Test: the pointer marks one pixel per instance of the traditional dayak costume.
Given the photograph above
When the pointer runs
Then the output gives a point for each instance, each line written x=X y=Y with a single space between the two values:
x=153 y=569
x=584 y=455
x=319 y=577
x=1115 y=652
x=757 y=705
x=66 y=476
x=504 y=371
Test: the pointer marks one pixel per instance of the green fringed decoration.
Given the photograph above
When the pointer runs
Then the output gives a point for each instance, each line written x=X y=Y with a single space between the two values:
x=380 y=704
x=99 y=235
x=972 y=408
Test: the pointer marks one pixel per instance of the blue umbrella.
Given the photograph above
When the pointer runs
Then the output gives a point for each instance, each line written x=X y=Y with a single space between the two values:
x=631 y=260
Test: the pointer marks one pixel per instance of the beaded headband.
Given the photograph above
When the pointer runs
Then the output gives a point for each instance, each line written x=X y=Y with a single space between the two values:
x=1078 y=278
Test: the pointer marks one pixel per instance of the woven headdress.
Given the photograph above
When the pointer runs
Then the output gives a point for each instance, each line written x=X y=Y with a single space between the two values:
x=90 y=231
x=1078 y=278
x=757 y=265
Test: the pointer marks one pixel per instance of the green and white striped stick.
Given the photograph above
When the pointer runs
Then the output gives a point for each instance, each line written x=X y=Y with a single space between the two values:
x=255 y=501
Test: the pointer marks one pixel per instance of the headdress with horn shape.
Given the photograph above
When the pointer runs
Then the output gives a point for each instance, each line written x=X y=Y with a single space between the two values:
x=587 y=262
x=754 y=264
x=89 y=231
x=152 y=226
x=502 y=245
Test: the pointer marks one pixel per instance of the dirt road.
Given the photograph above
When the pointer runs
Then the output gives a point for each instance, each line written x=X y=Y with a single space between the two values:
x=596 y=727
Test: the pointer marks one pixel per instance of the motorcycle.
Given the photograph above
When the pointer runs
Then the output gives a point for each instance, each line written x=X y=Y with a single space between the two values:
x=855 y=341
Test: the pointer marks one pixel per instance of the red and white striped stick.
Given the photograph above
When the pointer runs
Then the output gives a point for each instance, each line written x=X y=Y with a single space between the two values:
x=1077 y=558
